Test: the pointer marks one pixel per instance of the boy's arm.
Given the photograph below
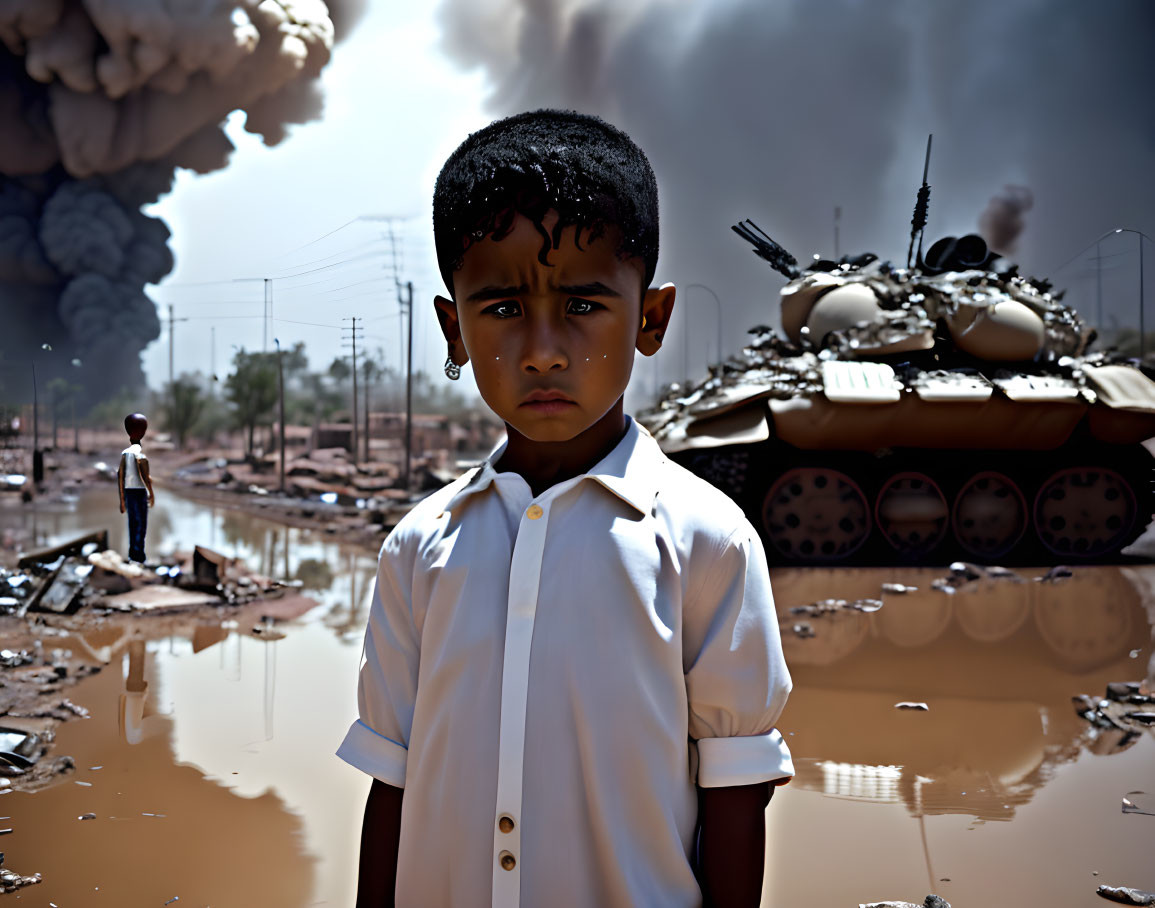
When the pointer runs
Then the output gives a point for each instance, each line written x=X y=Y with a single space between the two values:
x=142 y=467
x=380 y=835
x=732 y=844
x=120 y=481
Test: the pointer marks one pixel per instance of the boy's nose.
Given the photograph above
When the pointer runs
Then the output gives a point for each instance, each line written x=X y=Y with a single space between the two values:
x=544 y=350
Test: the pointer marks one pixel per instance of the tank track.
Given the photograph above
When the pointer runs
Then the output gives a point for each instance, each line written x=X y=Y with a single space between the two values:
x=1082 y=503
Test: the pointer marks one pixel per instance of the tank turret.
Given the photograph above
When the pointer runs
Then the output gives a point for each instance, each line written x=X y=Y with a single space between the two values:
x=952 y=408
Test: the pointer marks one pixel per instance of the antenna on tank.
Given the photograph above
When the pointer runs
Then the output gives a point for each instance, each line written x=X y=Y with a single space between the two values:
x=918 y=221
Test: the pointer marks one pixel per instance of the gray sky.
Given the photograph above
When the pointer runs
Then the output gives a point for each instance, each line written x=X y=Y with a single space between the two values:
x=778 y=112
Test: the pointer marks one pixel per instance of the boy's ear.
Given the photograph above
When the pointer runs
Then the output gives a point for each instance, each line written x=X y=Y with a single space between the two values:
x=657 y=307
x=451 y=328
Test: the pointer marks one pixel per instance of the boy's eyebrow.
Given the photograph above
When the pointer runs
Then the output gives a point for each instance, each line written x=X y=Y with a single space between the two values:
x=496 y=293
x=595 y=288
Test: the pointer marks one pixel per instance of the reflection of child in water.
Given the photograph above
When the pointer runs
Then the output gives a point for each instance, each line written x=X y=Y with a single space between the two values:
x=135 y=485
x=132 y=700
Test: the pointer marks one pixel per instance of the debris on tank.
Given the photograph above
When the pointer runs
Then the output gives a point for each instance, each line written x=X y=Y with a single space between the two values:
x=803 y=630
x=909 y=704
x=949 y=407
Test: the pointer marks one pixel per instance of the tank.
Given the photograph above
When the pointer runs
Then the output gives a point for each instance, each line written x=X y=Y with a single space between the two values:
x=949 y=409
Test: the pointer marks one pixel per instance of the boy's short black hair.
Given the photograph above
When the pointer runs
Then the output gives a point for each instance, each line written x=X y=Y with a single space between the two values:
x=589 y=172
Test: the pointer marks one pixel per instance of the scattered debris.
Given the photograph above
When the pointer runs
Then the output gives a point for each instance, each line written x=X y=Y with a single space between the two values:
x=1125 y=895
x=964 y=572
x=898 y=588
x=87 y=816
x=910 y=704
x=1055 y=574
x=802 y=629
x=931 y=901
x=830 y=606
x=1139 y=802
x=10 y=881
x=61 y=593
x=19 y=750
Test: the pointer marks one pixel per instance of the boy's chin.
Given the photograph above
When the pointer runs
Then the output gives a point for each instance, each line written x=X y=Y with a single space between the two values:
x=546 y=432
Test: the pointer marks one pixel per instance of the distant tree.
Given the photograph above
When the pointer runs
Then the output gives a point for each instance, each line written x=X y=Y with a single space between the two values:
x=252 y=391
x=184 y=403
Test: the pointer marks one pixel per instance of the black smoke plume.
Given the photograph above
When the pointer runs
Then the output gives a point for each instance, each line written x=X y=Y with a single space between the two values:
x=782 y=110
x=100 y=103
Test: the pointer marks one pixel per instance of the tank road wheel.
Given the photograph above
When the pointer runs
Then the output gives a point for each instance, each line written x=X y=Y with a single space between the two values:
x=1085 y=512
x=815 y=514
x=912 y=513
x=989 y=515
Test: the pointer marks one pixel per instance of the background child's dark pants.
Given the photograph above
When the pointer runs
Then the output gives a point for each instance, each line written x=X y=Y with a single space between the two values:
x=136 y=505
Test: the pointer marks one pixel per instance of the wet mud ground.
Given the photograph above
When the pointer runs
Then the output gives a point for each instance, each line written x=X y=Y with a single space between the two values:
x=216 y=784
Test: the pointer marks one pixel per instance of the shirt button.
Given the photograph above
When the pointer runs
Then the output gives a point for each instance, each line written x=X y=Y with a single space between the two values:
x=505 y=824
x=508 y=861
x=534 y=512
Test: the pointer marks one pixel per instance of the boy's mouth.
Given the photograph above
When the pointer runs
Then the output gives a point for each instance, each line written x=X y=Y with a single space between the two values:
x=547 y=401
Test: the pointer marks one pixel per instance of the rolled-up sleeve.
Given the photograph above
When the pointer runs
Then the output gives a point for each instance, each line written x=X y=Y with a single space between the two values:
x=378 y=742
x=737 y=682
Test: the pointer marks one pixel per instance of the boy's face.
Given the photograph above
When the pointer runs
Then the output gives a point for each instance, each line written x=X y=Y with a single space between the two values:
x=552 y=346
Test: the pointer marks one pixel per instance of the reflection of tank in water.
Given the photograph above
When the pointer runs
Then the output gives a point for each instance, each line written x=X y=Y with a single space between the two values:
x=997 y=663
x=948 y=409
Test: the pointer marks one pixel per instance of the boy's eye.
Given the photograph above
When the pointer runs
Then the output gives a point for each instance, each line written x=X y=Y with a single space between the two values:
x=578 y=306
x=504 y=309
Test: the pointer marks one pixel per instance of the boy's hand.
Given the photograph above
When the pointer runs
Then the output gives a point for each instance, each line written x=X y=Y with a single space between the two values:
x=151 y=499
x=732 y=844
x=122 y=505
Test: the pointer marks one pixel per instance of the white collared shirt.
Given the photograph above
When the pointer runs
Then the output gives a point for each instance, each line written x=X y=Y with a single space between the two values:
x=548 y=677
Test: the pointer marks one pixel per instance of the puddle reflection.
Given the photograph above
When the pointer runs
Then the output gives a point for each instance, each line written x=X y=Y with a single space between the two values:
x=997 y=794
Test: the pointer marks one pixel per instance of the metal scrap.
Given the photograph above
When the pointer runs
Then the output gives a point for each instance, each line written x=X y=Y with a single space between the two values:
x=1125 y=895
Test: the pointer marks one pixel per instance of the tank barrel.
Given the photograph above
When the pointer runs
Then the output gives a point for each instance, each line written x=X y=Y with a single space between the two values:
x=765 y=247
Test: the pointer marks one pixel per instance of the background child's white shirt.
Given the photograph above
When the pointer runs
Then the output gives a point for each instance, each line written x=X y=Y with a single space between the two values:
x=548 y=660
x=130 y=456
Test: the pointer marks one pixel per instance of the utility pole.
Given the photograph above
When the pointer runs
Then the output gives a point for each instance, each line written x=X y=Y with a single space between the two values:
x=353 y=338
x=368 y=367
x=407 y=305
x=171 y=379
x=268 y=313
x=281 y=386
x=837 y=218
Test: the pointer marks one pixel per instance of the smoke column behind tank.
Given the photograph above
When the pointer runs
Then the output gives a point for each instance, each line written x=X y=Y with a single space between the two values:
x=100 y=103
x=781 y=111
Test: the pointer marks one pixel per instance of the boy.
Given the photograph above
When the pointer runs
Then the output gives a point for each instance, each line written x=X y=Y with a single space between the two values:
x=135 y=484
x=572 y=668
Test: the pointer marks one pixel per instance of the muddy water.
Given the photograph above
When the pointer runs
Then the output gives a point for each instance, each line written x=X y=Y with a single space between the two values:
x=217 y=782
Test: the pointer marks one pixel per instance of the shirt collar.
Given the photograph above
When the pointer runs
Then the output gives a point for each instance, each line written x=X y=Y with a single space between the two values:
x=629 y=471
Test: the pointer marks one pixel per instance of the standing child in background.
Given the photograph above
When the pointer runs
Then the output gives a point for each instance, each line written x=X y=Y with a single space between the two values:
x=135 y=485
x=572 y=667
